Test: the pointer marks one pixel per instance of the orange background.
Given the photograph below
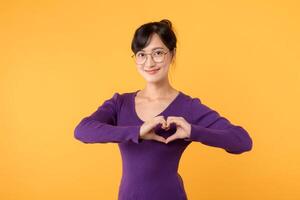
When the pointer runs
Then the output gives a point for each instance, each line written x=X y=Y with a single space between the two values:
x=59 y=60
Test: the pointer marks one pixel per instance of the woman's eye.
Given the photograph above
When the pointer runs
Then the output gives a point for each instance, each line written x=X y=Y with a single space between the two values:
x=140 y=54
x=158 y=53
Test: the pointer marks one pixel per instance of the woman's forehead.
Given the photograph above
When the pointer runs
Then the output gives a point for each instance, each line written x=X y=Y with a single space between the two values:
x=155 y=42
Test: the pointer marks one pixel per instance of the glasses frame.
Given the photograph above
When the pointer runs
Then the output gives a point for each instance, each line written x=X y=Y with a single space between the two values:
x=164 y=53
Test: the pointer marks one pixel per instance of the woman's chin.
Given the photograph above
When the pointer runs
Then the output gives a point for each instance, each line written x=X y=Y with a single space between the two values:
x=154 y=79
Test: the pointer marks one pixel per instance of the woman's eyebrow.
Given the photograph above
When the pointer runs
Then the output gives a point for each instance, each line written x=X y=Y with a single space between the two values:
x=155 y=48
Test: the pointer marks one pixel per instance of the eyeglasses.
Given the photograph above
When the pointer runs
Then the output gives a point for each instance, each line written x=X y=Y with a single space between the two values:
x=157 y=56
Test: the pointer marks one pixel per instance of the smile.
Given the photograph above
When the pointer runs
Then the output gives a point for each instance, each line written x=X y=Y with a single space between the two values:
x=152 y=71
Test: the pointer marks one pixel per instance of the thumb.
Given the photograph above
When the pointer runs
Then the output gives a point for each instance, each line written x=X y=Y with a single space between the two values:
x=171 y=138
x=159 y=138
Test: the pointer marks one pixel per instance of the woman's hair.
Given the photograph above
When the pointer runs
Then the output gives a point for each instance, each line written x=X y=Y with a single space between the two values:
x=163 y=28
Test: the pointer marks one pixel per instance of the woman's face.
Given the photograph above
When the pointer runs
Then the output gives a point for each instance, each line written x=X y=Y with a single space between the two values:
x=157 y=46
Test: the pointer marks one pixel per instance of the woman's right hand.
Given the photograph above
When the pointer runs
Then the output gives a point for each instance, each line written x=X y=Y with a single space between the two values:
x=147 y=129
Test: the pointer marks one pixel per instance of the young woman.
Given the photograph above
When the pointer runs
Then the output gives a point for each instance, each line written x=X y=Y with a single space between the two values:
x=154 y=125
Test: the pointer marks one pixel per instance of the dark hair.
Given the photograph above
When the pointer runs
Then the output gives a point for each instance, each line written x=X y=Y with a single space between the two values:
x=163 y=28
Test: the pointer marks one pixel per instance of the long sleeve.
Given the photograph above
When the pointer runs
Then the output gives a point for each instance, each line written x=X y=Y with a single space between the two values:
x=209 y=128
x=100 y=126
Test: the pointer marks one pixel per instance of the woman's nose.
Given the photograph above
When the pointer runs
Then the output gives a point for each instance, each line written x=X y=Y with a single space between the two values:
x=149 y=61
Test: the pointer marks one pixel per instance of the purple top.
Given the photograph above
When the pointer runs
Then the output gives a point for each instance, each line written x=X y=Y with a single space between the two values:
x=150 y=167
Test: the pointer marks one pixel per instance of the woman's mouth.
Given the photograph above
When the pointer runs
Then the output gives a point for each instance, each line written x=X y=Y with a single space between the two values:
x=153 y=71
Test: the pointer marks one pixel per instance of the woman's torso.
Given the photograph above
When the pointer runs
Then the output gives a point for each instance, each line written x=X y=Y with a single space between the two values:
x=150 y=168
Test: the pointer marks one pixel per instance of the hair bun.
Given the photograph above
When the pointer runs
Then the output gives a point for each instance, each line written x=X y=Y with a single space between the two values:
x=168 y=22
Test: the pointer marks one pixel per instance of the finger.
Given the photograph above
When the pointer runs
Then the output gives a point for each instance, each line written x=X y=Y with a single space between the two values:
x=162 y=121
x=155 y=121
x=177 y=120
x=171 y=138
x=171 y=120
x=167 y=127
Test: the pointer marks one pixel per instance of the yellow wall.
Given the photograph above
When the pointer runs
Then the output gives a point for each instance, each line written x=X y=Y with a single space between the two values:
x=59 y=60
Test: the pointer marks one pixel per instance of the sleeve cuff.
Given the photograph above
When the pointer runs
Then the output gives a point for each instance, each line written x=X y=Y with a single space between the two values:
x=135 y=134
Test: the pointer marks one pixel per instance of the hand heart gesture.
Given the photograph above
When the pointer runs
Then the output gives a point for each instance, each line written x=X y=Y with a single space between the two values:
x=147 y=129
x=183 y=128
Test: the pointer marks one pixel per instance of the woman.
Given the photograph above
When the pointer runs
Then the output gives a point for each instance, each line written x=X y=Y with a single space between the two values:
x=153 y=126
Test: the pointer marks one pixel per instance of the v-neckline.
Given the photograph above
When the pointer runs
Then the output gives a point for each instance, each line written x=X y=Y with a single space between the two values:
x=162 y=112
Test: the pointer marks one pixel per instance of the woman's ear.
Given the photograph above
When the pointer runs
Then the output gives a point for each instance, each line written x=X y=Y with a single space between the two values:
x=173 y=55
x=174 y=52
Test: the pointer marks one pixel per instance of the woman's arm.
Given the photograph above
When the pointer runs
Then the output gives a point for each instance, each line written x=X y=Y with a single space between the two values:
x=100 y=126
x=209 y=128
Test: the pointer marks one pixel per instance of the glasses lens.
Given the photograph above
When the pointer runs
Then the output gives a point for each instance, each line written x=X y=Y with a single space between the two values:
x=158 y=56
x=140 y=58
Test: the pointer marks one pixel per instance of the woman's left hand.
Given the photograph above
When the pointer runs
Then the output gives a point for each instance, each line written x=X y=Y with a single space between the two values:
x=183 y=128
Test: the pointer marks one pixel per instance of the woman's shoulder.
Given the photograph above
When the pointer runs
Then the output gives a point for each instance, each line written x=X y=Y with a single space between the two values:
x=120 y=97
x=191 y=98
x=117 y=99
x=196 y=105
